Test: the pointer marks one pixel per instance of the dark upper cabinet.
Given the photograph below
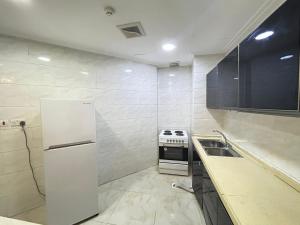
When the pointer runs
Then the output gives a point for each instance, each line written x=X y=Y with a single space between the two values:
x=228 y=80
x=212 y=89
x=269 y=66
x=222 y=83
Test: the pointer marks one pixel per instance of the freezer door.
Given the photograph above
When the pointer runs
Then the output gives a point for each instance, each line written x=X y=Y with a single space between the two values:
x=67 y=121
x=71 y=184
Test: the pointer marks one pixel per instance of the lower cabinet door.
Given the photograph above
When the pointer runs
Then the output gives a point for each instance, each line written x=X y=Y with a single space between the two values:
x=211 y=195
x=223 y=217
x=206 y=215
x=197 y=177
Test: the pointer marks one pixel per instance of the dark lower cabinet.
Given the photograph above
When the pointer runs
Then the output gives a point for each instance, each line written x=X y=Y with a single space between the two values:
x=213 y=209
x=210 y=199
x=206 y=215
x=197 y=177
x=223 y=217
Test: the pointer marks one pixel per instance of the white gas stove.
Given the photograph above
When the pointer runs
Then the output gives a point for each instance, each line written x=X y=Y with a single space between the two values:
x=173 y=152
x=173 y=138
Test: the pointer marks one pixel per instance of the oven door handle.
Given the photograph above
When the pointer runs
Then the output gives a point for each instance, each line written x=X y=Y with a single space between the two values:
x=166 y=148
x=174 y=146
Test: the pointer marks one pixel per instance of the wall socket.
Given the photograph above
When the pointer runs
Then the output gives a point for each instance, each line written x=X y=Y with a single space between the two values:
x=16 y=122
x=4 y=124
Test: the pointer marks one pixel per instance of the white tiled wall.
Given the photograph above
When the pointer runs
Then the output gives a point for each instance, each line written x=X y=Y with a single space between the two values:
x=174 y=98
x=126 y=112
x=274 y=139
x=203 y=120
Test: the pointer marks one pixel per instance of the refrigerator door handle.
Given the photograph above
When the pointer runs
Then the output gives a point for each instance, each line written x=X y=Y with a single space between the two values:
x=70 y=144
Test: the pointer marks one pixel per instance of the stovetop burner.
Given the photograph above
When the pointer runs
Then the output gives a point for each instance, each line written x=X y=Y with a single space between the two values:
x=178 y=131
x=174 y=134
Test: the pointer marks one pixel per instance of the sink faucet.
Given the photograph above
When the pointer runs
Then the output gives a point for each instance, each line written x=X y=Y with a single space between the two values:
x=224 y=137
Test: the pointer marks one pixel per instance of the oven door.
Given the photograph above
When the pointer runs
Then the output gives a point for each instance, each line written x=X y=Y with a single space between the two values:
x=173 y=153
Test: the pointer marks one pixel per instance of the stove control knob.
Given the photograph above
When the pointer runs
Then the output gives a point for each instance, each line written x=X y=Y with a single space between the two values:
x=168 y=140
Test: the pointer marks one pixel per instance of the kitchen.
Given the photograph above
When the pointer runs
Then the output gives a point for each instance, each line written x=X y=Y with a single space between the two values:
x=193 y=122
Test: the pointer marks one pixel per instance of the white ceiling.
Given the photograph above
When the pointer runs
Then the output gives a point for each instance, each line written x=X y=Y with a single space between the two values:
x=195 y=26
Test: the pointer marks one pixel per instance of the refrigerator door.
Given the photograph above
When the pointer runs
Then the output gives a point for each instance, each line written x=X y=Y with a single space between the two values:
x=67 y=121
x=71 y=184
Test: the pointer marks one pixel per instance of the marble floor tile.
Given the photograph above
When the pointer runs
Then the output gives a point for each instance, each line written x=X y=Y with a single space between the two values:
x=37 y=215
x=178 y=211
x=93 y=222
x=133 y=209
x=142 y=198
x=108 y=201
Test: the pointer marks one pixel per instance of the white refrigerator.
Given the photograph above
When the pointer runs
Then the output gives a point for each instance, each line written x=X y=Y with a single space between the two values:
x=69 y=142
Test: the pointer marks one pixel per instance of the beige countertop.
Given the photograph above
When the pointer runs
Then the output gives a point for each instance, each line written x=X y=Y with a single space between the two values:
x=9 y=221
x=250 y=191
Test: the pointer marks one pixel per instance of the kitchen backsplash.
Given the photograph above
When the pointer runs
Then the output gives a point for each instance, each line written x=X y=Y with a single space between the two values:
x=174 y=98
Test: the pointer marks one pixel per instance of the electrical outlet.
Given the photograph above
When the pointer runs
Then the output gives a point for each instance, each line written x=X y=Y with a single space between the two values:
x=15 y=122
x=4 y=124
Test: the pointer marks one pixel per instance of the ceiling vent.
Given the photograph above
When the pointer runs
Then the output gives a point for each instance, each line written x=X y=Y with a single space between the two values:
x=174 y=64
x=131 y=30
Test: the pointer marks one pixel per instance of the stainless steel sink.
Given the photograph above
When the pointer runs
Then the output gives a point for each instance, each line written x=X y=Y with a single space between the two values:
x=212 y=143
x=221 y=152
x=217 y=148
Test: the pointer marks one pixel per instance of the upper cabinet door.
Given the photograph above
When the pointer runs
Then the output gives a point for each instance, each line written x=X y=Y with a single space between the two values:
x=269 y=62
x=228 y=80
x=212 y=89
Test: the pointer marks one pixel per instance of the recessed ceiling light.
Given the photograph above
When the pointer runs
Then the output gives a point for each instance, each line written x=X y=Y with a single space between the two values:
x=264 y=35
x=43 y=58
x=168 y=47
x=172 y=75
x=128 y=70
x=84 y=72
x=286 y=57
